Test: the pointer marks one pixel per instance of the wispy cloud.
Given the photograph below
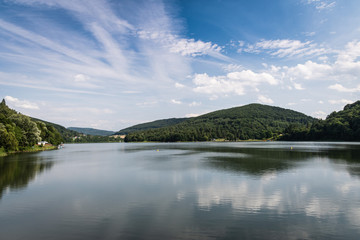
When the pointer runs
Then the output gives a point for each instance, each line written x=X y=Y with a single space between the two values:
x=182 y=46
x=321 y=4
x=285 y=48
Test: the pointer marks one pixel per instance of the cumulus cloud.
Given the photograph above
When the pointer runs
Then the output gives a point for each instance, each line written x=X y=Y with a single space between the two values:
x=234 y=82
x=310 y=71
x=21 y=103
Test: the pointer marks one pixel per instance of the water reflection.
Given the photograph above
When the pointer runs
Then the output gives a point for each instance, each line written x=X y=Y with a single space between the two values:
x=17 y=170
x=190 y=191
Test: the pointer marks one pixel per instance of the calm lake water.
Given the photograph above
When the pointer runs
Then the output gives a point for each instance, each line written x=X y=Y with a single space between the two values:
x=259 y=190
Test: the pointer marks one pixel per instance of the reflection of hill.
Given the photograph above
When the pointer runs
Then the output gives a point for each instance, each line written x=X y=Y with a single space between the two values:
x=257 y=161
x=16 y=171
x=259 y=158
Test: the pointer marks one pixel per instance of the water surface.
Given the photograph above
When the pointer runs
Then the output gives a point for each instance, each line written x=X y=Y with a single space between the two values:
x=260 y=190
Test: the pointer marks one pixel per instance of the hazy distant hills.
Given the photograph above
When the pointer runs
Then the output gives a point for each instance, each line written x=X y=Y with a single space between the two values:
x=92 y=131
x=151 y=125
x=253 y=121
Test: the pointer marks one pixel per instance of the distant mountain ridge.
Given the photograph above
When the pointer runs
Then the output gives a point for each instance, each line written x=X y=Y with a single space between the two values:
x=92 y=131
x=253 y=121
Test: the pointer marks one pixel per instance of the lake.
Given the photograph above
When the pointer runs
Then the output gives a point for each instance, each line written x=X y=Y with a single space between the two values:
x=230 y=190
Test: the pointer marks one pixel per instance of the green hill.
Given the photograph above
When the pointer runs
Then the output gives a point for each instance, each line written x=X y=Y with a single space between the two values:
x=91 y=131
x=253 y=121
x=151 y=125
x=338 y=126
x=65 y=133
x=19 y=132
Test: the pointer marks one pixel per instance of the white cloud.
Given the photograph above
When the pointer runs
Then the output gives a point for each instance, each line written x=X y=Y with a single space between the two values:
x=341 y=88
x=179 y=85
x=233 y=68
x=340 y=101
x=285 y=48
x=310 y=71
x=182 y=46
x=194 y=104
x=190 y=47
x=319 y=114
x=321 y=4
x=298 y=86
x=189 y=115
x=265 y=100
x=234 y=82
x=175 y=101
x=81 y=78
x=12 y=101
x=309 y=34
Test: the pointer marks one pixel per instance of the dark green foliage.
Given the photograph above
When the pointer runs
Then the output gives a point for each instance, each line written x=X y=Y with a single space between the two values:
x=82 y=138
x=92 y=131
x=17 y=131
x=65 y=133
x=151 y=125
x=338 y=126
x=254 y=121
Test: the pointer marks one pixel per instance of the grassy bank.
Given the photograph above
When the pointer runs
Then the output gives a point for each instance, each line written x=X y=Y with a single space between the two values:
x=3 y=153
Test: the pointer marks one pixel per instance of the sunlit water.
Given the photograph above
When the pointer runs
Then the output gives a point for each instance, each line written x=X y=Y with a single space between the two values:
x=260 y=190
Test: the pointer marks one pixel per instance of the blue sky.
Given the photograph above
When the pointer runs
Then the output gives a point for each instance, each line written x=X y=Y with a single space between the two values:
x=113 y=64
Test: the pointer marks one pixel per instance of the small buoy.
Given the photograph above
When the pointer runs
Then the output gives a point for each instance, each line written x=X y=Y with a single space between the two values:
x=291 y=148
x=157 y=150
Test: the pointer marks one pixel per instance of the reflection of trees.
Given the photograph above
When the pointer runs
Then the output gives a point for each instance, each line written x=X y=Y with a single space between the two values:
x=260 y=160
x=16 y=171
x=349 y=156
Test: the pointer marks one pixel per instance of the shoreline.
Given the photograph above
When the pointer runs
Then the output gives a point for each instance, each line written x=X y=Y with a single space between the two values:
x=28 y=150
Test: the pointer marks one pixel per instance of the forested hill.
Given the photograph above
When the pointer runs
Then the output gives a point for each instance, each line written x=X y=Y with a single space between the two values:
x=65 y=133
x=253 y=121
x=338 y=126
x=91 y=131
x=151 y=125
x=19 y=132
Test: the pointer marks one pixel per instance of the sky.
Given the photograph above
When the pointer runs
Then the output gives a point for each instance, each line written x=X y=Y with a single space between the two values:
x=110 y=64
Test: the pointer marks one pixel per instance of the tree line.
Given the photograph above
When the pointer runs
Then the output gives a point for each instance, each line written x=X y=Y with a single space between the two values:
x=338 y=126
x=253 y=121
x=18 y=132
